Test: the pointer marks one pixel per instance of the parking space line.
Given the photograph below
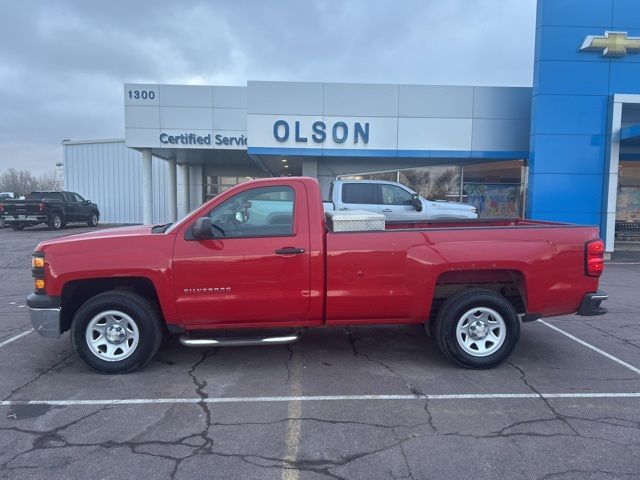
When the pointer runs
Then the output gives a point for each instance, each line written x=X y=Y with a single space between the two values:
x=322 y=398
x=13 y=339
x=294 y=412
x=595 y=349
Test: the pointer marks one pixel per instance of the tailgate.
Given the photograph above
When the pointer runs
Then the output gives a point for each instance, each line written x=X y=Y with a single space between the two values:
x=19 y=207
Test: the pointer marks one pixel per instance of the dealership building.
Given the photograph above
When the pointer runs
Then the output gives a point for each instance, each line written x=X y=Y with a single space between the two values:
x=566 y=149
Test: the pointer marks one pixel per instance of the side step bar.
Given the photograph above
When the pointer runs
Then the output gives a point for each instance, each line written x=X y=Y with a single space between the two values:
x=238 y=341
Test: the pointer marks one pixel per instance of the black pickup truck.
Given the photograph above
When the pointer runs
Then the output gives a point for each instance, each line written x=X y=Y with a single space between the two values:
x=56 y=209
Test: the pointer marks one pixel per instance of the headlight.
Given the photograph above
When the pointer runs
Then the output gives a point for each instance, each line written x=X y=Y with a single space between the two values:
x=37 y=272
x=37 y=262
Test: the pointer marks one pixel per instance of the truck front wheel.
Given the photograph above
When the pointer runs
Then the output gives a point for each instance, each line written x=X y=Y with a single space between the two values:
x=477 y=328
x=116 y=332
x=93 y=220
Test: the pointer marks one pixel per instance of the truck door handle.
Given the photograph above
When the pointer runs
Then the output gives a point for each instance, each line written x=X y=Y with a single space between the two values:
x=386 y=210
x=344 y=208
x=289 y=251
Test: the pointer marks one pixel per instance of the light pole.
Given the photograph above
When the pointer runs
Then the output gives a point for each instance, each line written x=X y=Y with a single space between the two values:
x=59 y=173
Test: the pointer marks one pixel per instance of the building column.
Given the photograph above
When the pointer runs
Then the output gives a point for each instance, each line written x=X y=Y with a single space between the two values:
x=195 y=176
x=173 y=191
x=310 y=167
x=183 y=190
x=611 y=164
x=147 y=187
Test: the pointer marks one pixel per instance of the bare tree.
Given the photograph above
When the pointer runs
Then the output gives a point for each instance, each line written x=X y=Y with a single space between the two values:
x=23 y=181
x=50 y=180
x=445 y=184
x=417 y=179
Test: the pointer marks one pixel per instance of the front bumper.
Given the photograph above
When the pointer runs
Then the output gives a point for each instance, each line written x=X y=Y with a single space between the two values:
x=45 y=314
x=590 y=305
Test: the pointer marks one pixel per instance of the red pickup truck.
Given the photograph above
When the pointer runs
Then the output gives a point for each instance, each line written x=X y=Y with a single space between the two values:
x=262 y=256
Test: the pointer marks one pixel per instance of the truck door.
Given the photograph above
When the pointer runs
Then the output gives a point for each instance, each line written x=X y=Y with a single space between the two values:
x=71 y=207
x=396 y=205
x=256 y=269
x=82 y=208
x=75 y=207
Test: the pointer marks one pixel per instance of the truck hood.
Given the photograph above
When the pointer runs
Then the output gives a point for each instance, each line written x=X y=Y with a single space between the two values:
x=133 y=231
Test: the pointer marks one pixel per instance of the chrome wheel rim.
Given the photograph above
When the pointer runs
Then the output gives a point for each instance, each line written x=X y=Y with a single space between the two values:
x=57 y=222
x=112 y=335
x=94 y=219
x=481 y=331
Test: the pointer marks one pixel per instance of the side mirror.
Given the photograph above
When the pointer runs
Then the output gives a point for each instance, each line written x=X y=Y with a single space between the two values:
x=202 y=228
x=416 y=202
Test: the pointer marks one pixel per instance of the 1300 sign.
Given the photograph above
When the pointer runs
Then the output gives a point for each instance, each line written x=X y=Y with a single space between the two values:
x=142 y=94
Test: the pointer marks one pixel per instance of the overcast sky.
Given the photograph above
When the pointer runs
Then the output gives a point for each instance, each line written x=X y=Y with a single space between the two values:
x=63 y=63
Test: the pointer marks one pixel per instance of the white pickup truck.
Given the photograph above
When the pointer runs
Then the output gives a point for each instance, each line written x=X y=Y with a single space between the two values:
x=394 y=200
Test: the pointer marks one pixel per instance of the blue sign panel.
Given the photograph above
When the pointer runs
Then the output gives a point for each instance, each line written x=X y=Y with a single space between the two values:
x=586 y=50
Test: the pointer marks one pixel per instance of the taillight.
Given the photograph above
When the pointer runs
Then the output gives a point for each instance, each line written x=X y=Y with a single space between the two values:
x=41 y=207
x=594 y=258
x=1 y=207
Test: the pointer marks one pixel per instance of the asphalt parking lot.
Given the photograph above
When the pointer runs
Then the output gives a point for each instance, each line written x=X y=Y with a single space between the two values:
x=370 y=403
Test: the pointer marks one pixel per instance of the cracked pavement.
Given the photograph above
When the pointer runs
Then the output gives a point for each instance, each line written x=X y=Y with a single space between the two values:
x=532 y=438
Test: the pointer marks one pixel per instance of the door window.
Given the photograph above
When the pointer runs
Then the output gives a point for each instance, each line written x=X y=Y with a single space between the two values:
x=394 y=195
x=359 y=193
x=259 y=212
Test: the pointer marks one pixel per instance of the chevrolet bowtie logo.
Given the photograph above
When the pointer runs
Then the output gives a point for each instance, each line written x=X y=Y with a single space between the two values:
x=612 y=44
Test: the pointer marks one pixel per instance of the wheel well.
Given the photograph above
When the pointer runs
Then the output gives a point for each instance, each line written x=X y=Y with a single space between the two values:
x=77 y=292
x=510 y=284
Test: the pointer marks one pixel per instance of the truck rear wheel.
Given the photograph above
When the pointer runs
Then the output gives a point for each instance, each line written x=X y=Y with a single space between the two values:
x=56 y=222
x=477 y=328
x=116 y=332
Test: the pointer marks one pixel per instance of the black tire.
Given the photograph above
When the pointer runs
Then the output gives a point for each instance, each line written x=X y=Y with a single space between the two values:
x=2 y=224
x=56 y=222
x=17 y=227
x=93 y=220
x=458 y=306
x=144 y=315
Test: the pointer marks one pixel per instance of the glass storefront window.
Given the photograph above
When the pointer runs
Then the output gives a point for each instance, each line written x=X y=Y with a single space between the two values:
x=440 y=182
x=628 y=201
x=214 y=185
x=495 y=188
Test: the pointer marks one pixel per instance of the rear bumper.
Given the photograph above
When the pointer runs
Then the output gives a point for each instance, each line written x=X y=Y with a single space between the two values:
x=45 y=314
x=590 y=305
x=27 y=219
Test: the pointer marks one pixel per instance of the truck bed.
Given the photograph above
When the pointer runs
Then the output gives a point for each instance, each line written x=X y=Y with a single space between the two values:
x=395 y=274
x=473 y=223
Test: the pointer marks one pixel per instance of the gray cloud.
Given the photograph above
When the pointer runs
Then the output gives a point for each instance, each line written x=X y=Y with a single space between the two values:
x=63 y=63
